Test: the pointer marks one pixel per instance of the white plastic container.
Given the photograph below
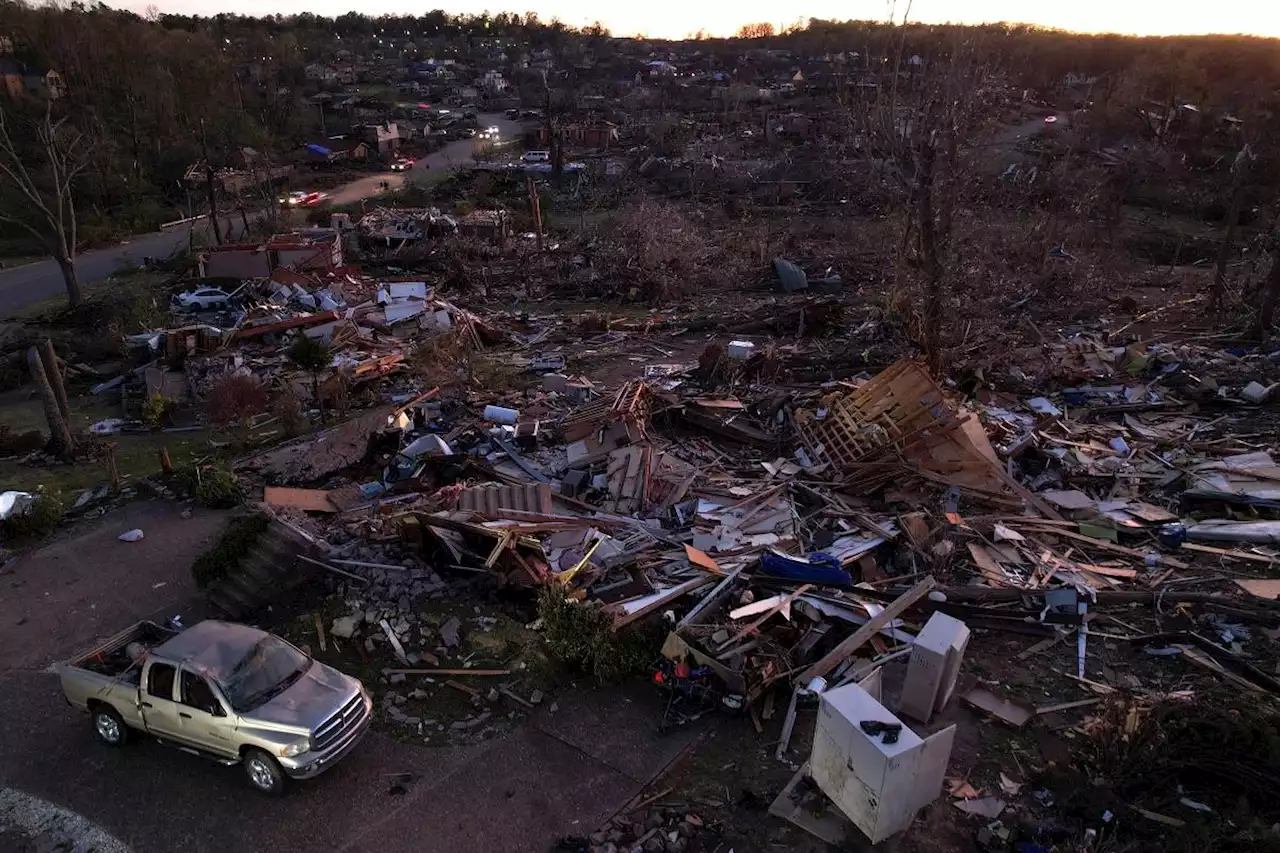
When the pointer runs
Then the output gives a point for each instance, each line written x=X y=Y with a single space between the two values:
x=499 y=415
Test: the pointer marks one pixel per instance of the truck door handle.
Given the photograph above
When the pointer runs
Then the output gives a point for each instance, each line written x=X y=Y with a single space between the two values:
x=146 y=704
x=184 y=715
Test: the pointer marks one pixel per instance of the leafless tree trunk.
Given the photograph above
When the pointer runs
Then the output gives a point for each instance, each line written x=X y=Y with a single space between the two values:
x=209 y=187
x=54 y=374
x=931 y=255
x=1266 y=313
x=40 y=199
x=1239 y=170
x=61 y=442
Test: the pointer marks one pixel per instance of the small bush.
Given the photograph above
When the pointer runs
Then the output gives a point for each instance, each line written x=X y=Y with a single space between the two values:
x=310 y=354
x=580 y=636
x=153 y=411
x=233 y=400
x=238 y=539
x=293 y=418
x=212 y=485
x=40 y=519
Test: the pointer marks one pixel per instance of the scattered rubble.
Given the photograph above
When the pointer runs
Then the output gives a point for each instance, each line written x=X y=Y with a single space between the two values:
x=794 y=522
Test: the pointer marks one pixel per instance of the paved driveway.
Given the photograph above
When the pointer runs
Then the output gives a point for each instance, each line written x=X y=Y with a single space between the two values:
x=562 y=772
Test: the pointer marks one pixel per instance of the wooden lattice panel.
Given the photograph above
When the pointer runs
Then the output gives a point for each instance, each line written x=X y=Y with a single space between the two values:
x=866 y=432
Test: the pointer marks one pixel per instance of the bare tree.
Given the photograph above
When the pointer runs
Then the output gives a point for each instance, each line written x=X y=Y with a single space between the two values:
x=38 y=195
x=61 y=441
x=1270 y=295
x=912 y=128
x=1239 y=175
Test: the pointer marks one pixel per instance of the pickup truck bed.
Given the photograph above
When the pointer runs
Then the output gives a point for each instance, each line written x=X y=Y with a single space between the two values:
x=109 y=667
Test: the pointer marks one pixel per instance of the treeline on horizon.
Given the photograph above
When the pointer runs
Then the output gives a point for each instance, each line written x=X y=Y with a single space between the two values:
x=154 y=92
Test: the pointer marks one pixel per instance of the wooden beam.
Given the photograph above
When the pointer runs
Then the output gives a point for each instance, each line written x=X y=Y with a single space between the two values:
x=448 y=671
x=867 y=631
x=766 y=616
x=666 y=597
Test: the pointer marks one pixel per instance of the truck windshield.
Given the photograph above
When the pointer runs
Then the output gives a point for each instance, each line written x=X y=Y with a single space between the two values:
x=269 y=668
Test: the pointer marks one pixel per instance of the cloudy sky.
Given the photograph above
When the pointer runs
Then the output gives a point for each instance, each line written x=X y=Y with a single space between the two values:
x=677 y=18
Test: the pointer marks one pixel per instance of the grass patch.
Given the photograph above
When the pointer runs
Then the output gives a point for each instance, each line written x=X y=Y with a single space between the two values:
x=237 y=541
x=136 y=456
x=13 y=262
x=580 y=636
x=133 y=295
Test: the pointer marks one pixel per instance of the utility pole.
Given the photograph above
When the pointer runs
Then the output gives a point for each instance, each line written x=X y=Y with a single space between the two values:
x=209 y=187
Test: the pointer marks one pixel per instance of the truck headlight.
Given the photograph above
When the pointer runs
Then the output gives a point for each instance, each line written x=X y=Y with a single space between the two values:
x=293 y=749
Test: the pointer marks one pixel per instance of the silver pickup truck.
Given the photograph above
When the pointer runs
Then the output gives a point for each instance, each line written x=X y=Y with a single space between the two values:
x=224 y=691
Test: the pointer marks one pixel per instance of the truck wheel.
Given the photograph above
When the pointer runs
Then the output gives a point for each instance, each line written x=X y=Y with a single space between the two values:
x=263 y=772
x=109 y=727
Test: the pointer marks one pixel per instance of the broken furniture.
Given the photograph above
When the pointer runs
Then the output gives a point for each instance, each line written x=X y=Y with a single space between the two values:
x=879 y=785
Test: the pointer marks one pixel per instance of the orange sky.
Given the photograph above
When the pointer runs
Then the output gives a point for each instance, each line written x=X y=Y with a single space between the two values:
x=677 y=18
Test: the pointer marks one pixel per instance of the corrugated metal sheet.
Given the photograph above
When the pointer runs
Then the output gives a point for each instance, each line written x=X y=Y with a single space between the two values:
x=491 y=497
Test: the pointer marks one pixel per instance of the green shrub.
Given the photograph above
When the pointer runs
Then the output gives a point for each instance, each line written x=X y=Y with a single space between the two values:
x=581 y=637
x=236 y=541
x=211 y=484
x=153 y=411
x=40 y=519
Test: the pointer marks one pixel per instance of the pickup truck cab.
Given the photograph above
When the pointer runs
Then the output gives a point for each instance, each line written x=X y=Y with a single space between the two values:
x=223 y=691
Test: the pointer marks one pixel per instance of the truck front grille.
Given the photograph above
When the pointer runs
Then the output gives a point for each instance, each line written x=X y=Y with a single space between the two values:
x=332 y=729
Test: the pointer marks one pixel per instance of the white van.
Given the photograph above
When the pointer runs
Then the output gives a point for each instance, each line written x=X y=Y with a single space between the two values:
x=536 y=156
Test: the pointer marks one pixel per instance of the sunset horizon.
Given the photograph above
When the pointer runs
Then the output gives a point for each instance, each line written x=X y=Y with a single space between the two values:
x=670 y=20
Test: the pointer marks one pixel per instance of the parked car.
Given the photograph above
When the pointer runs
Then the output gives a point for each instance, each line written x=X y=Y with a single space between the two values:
x=223 y=691
x=536 y=156
x=204 y=299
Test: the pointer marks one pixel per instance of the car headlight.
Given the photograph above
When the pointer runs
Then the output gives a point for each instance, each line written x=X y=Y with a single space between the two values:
x=290 y=750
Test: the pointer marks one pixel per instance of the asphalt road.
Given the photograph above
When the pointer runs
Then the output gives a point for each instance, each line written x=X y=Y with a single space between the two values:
x=563 y=771
x=42 y=280
x=1003 y=146
x=456 y=154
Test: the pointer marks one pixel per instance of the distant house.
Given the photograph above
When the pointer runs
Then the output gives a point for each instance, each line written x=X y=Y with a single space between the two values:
x=384 y=138
x=586 y=134
x=493 y=81
x=320 y=73
x=1078 y=80
x=17 y=80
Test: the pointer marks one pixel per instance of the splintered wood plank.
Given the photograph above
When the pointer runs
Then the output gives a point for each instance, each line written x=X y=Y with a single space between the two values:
x=308 y=500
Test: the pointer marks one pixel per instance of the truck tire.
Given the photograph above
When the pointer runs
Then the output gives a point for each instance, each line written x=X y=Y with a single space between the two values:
x=109 y=726
x=264 y=773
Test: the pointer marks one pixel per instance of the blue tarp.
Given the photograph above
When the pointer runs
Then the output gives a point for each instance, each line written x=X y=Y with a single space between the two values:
x=818 y=568
x=319 y=149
